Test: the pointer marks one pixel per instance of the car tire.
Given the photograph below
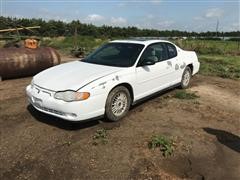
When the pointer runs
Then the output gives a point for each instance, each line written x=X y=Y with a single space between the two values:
x=118 y=103
x=186 y=77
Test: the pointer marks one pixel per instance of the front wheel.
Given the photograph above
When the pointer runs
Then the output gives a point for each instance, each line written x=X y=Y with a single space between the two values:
x=118 y=103
x=186 y=77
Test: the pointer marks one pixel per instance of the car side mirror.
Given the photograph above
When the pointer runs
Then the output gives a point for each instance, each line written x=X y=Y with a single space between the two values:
x=147 y=62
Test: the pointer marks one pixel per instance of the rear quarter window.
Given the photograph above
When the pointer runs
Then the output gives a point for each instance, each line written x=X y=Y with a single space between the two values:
x=172 y=51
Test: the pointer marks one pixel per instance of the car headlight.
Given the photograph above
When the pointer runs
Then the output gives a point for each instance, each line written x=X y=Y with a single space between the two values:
x=69 y=96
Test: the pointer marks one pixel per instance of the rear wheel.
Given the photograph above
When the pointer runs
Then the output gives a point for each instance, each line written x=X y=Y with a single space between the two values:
x=118 y=103
x=186 y=77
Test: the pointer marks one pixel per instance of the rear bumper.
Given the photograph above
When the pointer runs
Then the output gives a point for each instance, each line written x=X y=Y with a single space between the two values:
x=44 y=101
x=196 y=67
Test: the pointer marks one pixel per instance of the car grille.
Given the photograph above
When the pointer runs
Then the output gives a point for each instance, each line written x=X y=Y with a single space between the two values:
x=50 y=110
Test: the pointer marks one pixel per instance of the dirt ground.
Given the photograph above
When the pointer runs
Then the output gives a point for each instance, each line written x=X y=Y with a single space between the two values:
x=206 y=134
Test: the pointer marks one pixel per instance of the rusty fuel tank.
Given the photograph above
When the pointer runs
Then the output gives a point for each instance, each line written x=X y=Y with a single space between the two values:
x=21 y=62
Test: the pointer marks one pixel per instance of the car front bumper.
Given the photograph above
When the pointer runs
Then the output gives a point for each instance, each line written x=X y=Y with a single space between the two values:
x=44 y=101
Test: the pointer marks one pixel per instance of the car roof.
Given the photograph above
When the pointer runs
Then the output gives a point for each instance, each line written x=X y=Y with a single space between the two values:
x=140 y=41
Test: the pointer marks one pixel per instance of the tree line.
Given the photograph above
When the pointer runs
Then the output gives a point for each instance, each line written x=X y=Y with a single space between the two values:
x=54 y=28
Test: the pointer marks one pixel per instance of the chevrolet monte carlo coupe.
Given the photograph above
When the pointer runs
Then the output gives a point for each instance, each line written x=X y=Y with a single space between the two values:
x=112 y=78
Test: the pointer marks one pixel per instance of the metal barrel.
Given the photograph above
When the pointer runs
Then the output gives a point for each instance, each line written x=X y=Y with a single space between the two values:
x=21 y=62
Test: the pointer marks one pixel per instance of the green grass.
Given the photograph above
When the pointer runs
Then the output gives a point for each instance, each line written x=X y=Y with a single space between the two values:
x=100 y=136
x=66 y=44
x=183 y=94
x=210 y=46
x=2 y=43
x=165 y=144
x=225 y=66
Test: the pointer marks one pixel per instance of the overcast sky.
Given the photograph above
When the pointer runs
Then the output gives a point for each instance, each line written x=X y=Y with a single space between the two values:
x=198 y=15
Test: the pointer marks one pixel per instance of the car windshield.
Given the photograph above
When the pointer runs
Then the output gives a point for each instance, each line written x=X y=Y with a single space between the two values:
x=115 y=54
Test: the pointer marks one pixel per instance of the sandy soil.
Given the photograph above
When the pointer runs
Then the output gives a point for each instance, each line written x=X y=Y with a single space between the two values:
x=206 y=132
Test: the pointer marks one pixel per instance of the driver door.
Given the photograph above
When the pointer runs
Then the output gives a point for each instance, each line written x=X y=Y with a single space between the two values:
x=155 y=77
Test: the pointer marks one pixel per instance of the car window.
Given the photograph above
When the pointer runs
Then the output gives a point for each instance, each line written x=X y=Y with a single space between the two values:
x=115 y=54
x=161 y=52
x=108 y=52
x=156 y=52
x=172 y=51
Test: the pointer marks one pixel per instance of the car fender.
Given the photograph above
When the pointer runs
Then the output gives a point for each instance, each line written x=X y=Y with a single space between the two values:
x=189 y=57
x=104 y=85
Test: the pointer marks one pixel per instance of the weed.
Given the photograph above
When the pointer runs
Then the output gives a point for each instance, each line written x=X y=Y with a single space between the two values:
x=100 y=136
x=196 y=102
x=223 y=66
x=67 y=143
x=183 y=94
x=165 y=144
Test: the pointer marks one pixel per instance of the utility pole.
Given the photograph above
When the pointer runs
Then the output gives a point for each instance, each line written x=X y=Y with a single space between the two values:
x=75 y=38
x=217 y=28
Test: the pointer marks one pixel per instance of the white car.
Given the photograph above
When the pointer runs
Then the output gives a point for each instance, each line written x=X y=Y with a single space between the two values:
x=111 y=79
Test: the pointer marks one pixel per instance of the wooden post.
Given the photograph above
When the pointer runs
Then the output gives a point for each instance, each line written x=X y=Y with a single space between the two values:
x=18 y=29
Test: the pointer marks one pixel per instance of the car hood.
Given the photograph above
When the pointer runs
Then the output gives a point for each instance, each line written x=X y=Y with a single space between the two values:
x=72 y=76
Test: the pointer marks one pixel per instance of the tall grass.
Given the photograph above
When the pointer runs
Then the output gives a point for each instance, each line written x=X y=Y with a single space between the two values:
x=225 y=66
x=211 y=46
x=66 y=44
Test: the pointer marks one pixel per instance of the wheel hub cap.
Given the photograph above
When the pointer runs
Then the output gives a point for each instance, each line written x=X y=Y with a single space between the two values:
x=186 y=78
x=119 y=104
